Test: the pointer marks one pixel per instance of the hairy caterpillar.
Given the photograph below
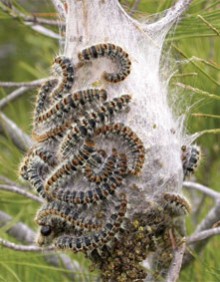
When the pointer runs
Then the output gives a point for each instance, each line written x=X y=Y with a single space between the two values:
x=113 y=52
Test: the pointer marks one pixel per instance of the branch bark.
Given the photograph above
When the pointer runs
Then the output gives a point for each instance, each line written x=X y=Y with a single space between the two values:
x=7 y=127
x=23 y=233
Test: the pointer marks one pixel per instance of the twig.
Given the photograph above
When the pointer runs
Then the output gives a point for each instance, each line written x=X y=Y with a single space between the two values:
x=203 y=235
x=18 y=137
x=175 y=267
x=134 y=7
x=202 y=188
x=36 y=20
x=31 y=84
x=198 y=91
x=212 y=217
x=23 y=248
x=172 y=15
x=7 y=181
x=23 y=233
x=17 y=190
x=60 y=7
x=31 y=21
x=20 y=231
x=209 y=25
x=24 y=86
x=45 y=31
x=13 y=95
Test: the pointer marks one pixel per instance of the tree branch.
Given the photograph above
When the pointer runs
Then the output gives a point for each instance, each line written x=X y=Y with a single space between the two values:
x=23 y=233
x=172 y=14
x=212 y=217
x=31 y=84
x=18 y=137
x=12 y=96
x=134 y=7
x=207 y=234
x=209 y=192
x=175 y=267
x=17 y=190
x=23 y=248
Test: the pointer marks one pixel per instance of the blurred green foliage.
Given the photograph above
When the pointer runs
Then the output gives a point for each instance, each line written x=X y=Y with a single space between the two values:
x=26 y=55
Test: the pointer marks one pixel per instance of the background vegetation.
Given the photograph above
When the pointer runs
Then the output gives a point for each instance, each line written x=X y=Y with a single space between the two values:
x=26 y=55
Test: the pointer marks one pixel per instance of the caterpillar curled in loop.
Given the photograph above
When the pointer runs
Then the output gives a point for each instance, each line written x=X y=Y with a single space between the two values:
x=69 y=166
x=113 y=52
x=35 y=165
x=96 y=240
x=115 y=165
x=67 y=80
x=71 y=104
x=134 y=143
x=64 y=212
x=176 y=204
x=93 y=119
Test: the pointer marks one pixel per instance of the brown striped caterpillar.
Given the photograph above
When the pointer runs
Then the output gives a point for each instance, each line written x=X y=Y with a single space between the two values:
x=87 y=125
x=37 y=163
x=93 y=195
x=95 y=240
x=116 y=164
x=134 y=143
x=113 y=52
x=176 y=204
x=63 y=212
x=69 y=167
x=71 y=104
x=42 y=101
x=67 y=80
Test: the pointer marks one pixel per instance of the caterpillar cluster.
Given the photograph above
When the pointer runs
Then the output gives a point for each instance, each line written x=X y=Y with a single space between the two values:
x=81 y=181
x=67 y=127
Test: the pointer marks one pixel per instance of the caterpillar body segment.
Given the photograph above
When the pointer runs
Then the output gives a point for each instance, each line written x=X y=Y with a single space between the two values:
x=96 y=240
x=113 y=52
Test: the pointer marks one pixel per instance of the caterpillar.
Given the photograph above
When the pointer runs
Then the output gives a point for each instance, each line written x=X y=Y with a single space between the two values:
x=96 y=240
x=67 y=81
x=72 y=104
x=64 y=212
x=35 y=165
x=70 y=166
x=176 y=204
x=131 y=138
x=85 y=126
x=98 y=193
x=116 y=164
x=190 y=157
x=42 y=101
x=113 y=52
